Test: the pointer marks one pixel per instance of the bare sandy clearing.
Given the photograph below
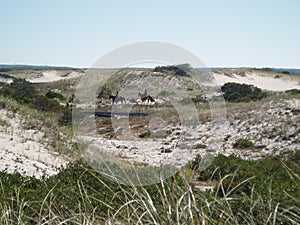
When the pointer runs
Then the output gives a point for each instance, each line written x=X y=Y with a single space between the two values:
x=264 y=82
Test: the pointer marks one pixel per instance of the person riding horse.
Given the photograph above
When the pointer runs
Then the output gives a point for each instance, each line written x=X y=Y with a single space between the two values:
x=145 y=94
x=145 y=97
x=117 y=98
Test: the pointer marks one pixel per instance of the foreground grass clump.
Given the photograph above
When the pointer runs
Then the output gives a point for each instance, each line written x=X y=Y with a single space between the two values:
x=262 y=192
x=78 y=195
x=266 y=191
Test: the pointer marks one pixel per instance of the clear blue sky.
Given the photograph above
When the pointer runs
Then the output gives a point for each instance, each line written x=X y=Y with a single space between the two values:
x=260 y=33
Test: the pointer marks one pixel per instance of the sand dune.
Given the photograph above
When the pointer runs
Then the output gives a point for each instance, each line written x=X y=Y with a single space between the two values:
x=25 y=150
x=50 y=76
x=270 y=83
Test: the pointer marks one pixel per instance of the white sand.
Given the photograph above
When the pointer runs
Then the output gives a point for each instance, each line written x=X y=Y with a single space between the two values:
x=256 y=125
x=50 y=76
x=25 y=151
x=263 y=82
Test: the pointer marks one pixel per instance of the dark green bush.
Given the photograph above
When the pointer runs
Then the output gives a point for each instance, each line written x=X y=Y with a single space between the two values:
x=42 y=103
x=235 y=92
x=25 y=93
x=104 y=92
x=20 y=89
x=52 y=95
x=243 y=143
x=293 y=91
x=2 y=105
x=66 y=118
x=146 y=134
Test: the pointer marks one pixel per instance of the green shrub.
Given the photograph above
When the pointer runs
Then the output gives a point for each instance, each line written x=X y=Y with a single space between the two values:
x=20 y=89
x=42 y=103
x=2 y=105
x=146 y=134
x=52 y=95
x=280 y=174
x=66 y=118
x=243 y=143
x=293 y=91
x=104 y=92
x=25 y=93
x=235 y=92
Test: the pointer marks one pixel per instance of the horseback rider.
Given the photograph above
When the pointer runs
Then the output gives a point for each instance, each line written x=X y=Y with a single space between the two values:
x=117 y=94
x=145 y=94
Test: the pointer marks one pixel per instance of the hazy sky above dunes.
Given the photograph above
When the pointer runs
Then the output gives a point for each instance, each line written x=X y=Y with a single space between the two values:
x=259 y=33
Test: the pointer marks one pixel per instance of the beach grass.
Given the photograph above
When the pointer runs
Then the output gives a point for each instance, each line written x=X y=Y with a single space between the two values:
x=79 y=195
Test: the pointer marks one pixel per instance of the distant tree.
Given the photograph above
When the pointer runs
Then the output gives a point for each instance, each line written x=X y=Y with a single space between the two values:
x=267 y=69
x=179 y=70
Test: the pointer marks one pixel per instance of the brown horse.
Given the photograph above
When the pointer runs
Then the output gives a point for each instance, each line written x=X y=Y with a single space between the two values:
x=116 y=99
x=147 y=98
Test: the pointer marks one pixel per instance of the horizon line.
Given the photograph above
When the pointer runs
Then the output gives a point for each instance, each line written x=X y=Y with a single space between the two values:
x=79 y=67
